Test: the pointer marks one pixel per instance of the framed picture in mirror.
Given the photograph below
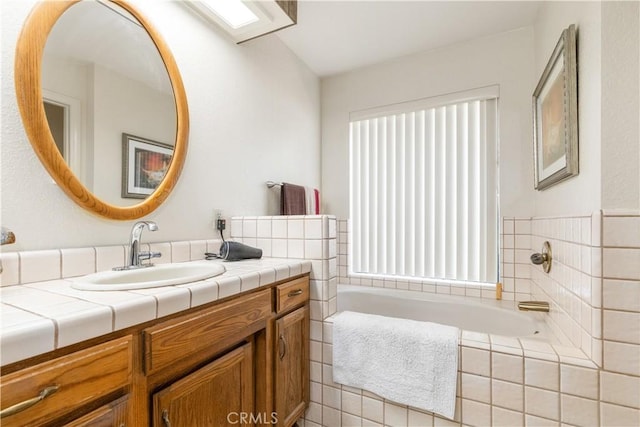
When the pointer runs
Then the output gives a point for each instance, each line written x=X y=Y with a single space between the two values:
x=555 y=115
x=144 y=165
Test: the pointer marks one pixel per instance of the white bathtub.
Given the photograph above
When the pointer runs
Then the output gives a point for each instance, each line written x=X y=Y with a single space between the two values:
x=471 y=314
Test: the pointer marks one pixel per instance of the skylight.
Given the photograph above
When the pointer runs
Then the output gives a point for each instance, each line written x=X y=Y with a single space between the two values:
x=234 y=12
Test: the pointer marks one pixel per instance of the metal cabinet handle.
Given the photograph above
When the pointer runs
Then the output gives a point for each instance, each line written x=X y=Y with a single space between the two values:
x=19 y=407
x=165 y=418
x=283 y=347
x=295 y=293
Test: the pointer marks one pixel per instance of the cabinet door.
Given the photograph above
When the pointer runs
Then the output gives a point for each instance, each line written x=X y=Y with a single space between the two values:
x=292 y=366
x=111 y=415
x=215 y=395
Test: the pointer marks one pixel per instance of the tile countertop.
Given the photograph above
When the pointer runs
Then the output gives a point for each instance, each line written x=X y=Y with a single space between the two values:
x=44 y=316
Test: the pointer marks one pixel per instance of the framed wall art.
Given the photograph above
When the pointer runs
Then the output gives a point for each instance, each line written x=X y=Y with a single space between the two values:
x=555 y=115
x=144 y=164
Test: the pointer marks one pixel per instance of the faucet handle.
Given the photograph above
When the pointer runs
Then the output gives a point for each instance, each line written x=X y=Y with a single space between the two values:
x=148 y=255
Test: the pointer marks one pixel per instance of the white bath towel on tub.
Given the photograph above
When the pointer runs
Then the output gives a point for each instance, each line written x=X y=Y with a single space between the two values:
x=406 y=361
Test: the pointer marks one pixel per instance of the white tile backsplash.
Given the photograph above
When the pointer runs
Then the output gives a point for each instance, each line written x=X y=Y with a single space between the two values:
x=180 y=252
x=108 y=257
x=78 y=262
x=38 y=266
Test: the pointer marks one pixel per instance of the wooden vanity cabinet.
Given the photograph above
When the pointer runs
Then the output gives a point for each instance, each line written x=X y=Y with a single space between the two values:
x=113 y=414
x=54 y=390
x=292 y=351
x=240 y=361
x=216 y=395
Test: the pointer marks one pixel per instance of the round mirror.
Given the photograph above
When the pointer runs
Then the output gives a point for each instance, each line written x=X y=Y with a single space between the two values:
x=103 y=105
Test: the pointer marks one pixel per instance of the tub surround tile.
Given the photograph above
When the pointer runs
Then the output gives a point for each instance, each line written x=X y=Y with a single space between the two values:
x=295 y=248
x=372 y=409
x=314 y=413
x=476 y=361
x=395 y=415
x=351 y=403
x=419 y=418
x=578 y=411
x=350 y=420
x=475 y=413
x=505 y=418
x=541 y=374
x=330 y=416
x=507 y=367
x=507 y=395
x=621 y=263
x=619 y=416
x=533 y=421
x=621 y=231
x=567 y=377
x=331 y=396
x=620 y=389
x=313 y=228
x=621 y=326
x=475 y=387
x=621 y=358
x=579 y=381
x=295 y=229
x=621 y=295
x=507 y=350
x=542 y=403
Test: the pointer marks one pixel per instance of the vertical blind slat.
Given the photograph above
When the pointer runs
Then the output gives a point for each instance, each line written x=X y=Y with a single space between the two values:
x=424 y=193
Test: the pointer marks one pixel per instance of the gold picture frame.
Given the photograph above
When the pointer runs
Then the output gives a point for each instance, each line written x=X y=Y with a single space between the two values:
x=555 y=115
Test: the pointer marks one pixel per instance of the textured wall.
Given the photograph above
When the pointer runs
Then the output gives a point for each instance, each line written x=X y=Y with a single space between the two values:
x=505 y=59
x=580 y=194
x=620 y=105
x=255 y=116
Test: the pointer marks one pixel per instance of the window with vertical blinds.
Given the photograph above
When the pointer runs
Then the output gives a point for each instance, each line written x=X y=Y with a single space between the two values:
x=424 y=188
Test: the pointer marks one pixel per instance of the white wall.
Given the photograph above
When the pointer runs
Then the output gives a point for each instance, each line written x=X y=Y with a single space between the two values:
x=505 y=59
x=580 y=194
x=255 y=116
x=620 y=105
x=123 y=105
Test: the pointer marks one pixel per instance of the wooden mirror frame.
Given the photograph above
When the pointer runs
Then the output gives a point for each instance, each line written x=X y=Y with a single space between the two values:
x=28 y=82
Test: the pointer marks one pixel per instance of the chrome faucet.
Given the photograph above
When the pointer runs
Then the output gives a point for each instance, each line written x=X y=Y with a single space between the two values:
x=135 y=256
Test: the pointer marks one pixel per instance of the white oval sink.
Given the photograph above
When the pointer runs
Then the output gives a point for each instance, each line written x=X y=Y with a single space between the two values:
x=149 y=277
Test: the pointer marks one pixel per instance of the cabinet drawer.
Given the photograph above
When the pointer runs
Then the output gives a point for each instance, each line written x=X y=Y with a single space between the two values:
x=207 y=332
x=71 y=381
x=291 y=294
x=113 y=414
